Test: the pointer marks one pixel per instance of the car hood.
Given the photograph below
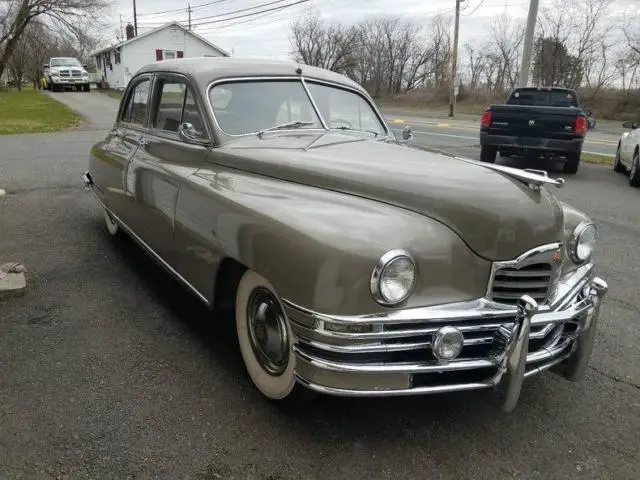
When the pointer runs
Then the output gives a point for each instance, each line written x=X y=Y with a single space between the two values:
x=497 y=216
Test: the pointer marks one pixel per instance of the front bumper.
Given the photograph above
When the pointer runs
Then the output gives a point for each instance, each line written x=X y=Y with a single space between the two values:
x=69 y=81
x=390 y=354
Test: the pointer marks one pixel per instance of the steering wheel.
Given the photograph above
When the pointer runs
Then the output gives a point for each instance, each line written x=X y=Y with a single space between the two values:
x=341 y=120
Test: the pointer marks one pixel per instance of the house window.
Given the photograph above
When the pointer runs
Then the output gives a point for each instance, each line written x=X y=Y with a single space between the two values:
x=169 y=54
x=99 y=61
x=117 y=57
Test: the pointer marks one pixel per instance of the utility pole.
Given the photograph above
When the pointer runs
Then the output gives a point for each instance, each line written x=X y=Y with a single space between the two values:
x=189 y=10
x=135 y=18
x=528 y=43
x=121 y=31
x=454 y=63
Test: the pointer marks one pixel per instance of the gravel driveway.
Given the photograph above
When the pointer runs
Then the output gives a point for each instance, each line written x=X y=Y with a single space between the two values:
x=110 y=370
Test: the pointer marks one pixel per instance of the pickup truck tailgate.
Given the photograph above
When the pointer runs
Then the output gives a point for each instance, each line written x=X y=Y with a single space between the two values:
x=533 y=121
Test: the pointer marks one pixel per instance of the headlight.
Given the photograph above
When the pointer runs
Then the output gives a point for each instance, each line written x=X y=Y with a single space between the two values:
x=393 y=278
x=582 y=242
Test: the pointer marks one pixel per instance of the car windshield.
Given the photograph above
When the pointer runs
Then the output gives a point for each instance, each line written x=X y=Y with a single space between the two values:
x=65 y=62
x=245 y=107
x=546 y=98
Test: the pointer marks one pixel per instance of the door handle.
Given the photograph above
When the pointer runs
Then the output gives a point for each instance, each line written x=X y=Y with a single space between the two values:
x=117 y=133
x=143 y=142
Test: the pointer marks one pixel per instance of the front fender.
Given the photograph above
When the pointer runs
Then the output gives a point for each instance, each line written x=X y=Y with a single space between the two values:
x=318 y=247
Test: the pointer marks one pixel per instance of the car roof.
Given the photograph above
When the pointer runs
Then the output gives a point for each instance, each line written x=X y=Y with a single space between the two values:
x=204 y=70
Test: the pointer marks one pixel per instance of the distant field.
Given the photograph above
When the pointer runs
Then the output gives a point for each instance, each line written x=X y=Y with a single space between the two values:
x=30 y=111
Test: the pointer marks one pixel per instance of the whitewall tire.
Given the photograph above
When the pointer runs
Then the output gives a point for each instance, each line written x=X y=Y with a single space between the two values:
x=112 y=226
x=265 y=339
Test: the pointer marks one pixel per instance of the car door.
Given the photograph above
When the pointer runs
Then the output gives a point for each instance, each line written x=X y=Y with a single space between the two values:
x=119 y=146
x=161 y=166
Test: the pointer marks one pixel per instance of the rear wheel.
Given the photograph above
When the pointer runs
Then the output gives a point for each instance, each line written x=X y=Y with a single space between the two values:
x=617 y=164
x=112 y=227
x=488 y=154
x=634 y=173
x=572 y=163
x=266 y=340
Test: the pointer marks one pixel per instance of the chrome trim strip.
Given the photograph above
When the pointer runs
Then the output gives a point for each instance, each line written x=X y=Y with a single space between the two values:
x=314 y=104
x=369 y=368
x=151 y=252
x=342 y=392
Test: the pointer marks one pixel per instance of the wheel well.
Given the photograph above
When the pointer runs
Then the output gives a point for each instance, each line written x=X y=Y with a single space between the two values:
x=226 y=284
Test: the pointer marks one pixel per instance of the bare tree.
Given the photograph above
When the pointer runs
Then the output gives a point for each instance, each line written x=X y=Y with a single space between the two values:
x=62 y=14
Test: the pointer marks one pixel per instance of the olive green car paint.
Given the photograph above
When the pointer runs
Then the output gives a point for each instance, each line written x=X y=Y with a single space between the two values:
x=313 y=211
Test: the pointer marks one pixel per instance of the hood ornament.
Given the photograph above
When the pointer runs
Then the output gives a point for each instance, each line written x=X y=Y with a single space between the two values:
x=533 y=178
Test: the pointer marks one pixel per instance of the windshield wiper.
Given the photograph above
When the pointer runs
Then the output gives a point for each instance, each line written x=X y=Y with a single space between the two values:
x=375 y=134
x=297 y=124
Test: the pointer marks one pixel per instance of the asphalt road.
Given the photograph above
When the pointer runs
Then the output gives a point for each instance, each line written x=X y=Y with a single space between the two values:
x=108 y=369
x=464 y=133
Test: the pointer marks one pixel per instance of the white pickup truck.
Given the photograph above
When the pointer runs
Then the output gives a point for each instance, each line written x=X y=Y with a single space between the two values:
x=66 y=72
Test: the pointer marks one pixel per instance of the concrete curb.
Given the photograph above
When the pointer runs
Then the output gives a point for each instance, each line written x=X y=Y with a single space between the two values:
x=14 y=284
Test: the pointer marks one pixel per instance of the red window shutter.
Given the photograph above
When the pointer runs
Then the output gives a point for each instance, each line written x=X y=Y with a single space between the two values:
x=158 y=55
x=180 y=54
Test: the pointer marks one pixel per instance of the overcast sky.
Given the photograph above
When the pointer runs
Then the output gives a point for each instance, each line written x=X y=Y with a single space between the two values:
x=267 y=34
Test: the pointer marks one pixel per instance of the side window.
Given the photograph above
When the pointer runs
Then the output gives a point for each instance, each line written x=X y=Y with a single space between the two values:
x=137 y=104
x=177 y=105
x=192 y=115
x=171 y=100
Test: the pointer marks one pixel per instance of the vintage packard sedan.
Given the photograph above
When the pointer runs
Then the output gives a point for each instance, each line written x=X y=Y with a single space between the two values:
x=354 y=263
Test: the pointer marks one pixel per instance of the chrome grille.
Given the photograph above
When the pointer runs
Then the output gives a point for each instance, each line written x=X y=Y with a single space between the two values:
x=64 y=73
x=76 y=73
x=510 y=283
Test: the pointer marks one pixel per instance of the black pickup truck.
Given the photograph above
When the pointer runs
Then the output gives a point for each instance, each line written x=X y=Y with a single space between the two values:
x=535 y=122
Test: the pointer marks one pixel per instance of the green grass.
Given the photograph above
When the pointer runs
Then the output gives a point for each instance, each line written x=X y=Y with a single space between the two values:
x=115 y=94
x=31 y=111
x=595 y=158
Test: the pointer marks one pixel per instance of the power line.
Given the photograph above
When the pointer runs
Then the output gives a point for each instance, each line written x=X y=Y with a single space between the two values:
x=198 y=22
x=193 y=7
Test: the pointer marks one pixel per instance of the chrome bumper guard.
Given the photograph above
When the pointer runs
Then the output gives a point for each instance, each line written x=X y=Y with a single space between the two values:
x=390 y=354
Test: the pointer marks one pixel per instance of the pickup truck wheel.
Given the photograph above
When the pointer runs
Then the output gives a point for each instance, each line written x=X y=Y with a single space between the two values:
x=634 y=173
x=86 y=87
x=266 y=340
x=488 y=154
x=572 y=163
x=617 y=164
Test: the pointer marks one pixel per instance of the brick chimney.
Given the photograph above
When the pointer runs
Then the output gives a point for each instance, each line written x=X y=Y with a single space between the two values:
x=130 y=32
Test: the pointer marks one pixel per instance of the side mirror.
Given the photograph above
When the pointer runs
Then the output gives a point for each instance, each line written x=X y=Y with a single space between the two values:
x=84 y=65
x=631 y=125
x=406 y=133
x=188 y=133
x=46 y=65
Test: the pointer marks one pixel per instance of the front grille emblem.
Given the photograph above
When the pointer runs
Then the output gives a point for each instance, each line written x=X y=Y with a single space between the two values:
x=532 y=123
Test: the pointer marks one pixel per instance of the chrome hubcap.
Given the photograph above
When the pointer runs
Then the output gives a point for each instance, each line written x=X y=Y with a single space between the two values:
x=268 y=331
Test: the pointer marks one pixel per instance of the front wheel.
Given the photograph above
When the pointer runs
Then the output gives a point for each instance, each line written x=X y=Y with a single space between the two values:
x=634 y=173
x=266 y=340
x=617 y=164
x=86 y=87
x=572 y=163
x=488 y=154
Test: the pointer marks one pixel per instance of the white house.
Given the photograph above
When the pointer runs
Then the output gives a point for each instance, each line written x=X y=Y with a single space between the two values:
x=117 y=64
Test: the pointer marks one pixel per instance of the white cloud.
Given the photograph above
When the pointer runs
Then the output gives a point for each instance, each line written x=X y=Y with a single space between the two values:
x=267 y=35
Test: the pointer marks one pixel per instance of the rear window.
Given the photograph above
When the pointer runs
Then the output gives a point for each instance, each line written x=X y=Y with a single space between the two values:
x=545 y=98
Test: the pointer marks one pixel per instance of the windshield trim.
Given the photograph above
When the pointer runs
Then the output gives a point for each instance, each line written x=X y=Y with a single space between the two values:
x=298 y=78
